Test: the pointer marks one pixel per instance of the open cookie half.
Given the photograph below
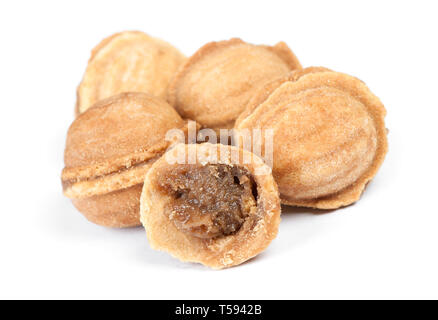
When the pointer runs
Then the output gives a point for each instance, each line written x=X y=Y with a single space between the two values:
x=220 y=210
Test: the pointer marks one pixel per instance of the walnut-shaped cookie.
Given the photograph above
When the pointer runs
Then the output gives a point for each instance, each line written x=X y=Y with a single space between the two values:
x=108 y=152
x=329 y=137
x=129 y=61
x=215 y=84
x=263 y=92
x=219 y=210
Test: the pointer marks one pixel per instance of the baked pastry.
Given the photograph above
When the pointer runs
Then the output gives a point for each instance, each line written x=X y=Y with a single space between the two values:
x=109 y=149
x=214 y=211
x=263 y=92
x=129 y=61
x=215 y=84
x=329 y=137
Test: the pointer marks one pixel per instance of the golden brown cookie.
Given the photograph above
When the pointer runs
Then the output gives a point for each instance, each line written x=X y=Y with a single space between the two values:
x=263 y=92
x=109 y=149
x=214 y=210
x=129 y=61
x=329 y=137
x=215 y=84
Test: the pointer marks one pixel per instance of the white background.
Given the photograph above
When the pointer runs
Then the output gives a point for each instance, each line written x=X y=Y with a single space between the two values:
x=384 y=246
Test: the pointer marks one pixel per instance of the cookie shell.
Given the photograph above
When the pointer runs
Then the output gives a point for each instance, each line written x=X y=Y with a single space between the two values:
x=109 y=150
x=129 y=61
x=329 y=138
x=261 y=94
x=117 y=209
x=215 y=84
x=216 y=253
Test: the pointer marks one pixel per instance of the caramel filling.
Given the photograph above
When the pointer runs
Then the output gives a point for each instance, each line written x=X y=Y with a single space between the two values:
x=209 y=201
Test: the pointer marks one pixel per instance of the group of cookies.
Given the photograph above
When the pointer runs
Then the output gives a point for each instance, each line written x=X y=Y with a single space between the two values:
x=328 y=134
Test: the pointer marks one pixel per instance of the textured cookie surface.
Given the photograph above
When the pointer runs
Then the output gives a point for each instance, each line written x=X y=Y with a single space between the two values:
x=262 y=93
x=128 y=62
x=329 y=138
x=216 y=212
x=119 y=127
x=109 y=150
x=215 y=84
